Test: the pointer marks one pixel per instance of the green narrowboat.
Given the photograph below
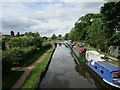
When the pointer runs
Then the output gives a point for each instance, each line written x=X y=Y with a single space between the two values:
x=80 y=53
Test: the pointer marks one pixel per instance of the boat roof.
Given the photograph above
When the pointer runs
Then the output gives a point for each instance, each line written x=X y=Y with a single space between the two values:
x=108 y=66
x=79 y=49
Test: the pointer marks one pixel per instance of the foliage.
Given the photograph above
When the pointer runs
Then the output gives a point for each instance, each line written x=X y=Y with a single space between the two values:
x=53 y=36
x=59 y=35
x=20 y=42
x=17 y=57
x=98 y=30
x=111 y=15
x=46 y=44
x=12 y=33
x=32 y=34
x=34 y=76
x=25 y=42
x=18 y=34
x=14 y=56
x=10 y=78
x=37 y=41
x=66 y=36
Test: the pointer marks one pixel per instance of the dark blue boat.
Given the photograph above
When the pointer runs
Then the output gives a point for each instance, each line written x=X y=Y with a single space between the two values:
x=109 y=73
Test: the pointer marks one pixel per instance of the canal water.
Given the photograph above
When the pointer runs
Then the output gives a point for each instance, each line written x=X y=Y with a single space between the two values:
x=65 y=71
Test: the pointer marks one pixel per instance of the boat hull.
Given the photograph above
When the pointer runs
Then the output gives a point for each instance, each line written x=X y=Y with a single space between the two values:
x=79 y=55
x=104 y=76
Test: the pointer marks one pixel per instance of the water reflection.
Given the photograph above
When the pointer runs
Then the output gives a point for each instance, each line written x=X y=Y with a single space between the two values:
x=65 y=71
x=83 y=70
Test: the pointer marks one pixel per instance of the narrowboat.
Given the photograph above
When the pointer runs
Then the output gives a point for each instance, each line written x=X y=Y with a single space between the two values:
x=71 y=44
x=79 y=52
x=109 y=73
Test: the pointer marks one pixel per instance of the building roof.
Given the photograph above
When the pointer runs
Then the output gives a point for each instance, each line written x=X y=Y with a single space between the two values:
x=8 y=36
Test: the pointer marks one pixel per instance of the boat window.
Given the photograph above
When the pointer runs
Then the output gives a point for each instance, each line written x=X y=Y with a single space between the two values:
x=95 y=67
x=102 y=71
x=116 y=75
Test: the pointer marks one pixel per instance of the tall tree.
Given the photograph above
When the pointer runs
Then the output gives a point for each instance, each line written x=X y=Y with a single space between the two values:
x=18 y=34
x=12 y=33
x=59 y=35
x=111 y=17
x=66 y=36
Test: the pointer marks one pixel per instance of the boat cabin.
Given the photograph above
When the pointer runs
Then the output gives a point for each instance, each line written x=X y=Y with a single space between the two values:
x=94 y=55
x=109 y=73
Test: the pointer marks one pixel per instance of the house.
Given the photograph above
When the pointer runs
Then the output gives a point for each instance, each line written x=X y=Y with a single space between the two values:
x=114 y=50
x=6 y=36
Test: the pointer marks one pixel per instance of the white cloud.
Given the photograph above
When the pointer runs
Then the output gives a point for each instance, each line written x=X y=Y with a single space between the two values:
x=45 y=18
x=51 y=0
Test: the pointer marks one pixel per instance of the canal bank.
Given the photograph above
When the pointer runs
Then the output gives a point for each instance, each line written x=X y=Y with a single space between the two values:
x=66 y=72
x=38 y=67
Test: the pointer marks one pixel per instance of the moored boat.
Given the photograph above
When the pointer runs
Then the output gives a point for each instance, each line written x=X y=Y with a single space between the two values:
x=79 y=52
x=109 y=73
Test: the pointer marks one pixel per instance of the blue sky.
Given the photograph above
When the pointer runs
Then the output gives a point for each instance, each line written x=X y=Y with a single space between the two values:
x=47 y=18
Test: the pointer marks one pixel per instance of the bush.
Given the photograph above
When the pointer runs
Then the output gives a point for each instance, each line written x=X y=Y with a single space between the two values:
x=46 y=44
x=37 y=41
x=20 y=42
x=12 y=57
x=31 y=51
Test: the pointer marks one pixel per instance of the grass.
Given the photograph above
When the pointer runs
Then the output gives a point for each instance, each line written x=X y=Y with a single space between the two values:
x=34 y=76
x=90 y=48
x=10 y=78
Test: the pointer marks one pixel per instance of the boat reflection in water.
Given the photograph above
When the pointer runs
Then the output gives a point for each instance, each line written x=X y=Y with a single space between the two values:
x=91 y=76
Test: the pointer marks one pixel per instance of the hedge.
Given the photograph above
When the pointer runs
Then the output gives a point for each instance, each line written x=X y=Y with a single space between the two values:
x=25 y=42
x=15 y=57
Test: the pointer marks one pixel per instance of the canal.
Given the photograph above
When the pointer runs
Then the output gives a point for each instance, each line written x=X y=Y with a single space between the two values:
x=65 y=71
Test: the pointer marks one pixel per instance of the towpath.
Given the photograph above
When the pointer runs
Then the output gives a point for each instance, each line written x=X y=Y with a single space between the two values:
x=27 y=71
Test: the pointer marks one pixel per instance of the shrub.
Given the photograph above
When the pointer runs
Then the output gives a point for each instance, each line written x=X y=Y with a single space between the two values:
x=31 y=51
x=46 y=44
x=37 y=41
x=20 y=42
x=13 y=56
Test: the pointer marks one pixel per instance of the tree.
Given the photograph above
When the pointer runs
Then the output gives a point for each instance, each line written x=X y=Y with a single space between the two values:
x=111 y=16
x=54 y=36
x=66 y=36
x=97 y=35
x=36 y=34
x=59 y=35
x=37 y=41
x=32 y=34
x=18 y=34
x=12 y=33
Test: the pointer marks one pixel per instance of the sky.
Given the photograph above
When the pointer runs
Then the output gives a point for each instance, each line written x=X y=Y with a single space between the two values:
x=47 y=17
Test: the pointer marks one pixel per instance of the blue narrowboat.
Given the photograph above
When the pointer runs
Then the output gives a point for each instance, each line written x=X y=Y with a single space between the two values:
x=109 y=73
